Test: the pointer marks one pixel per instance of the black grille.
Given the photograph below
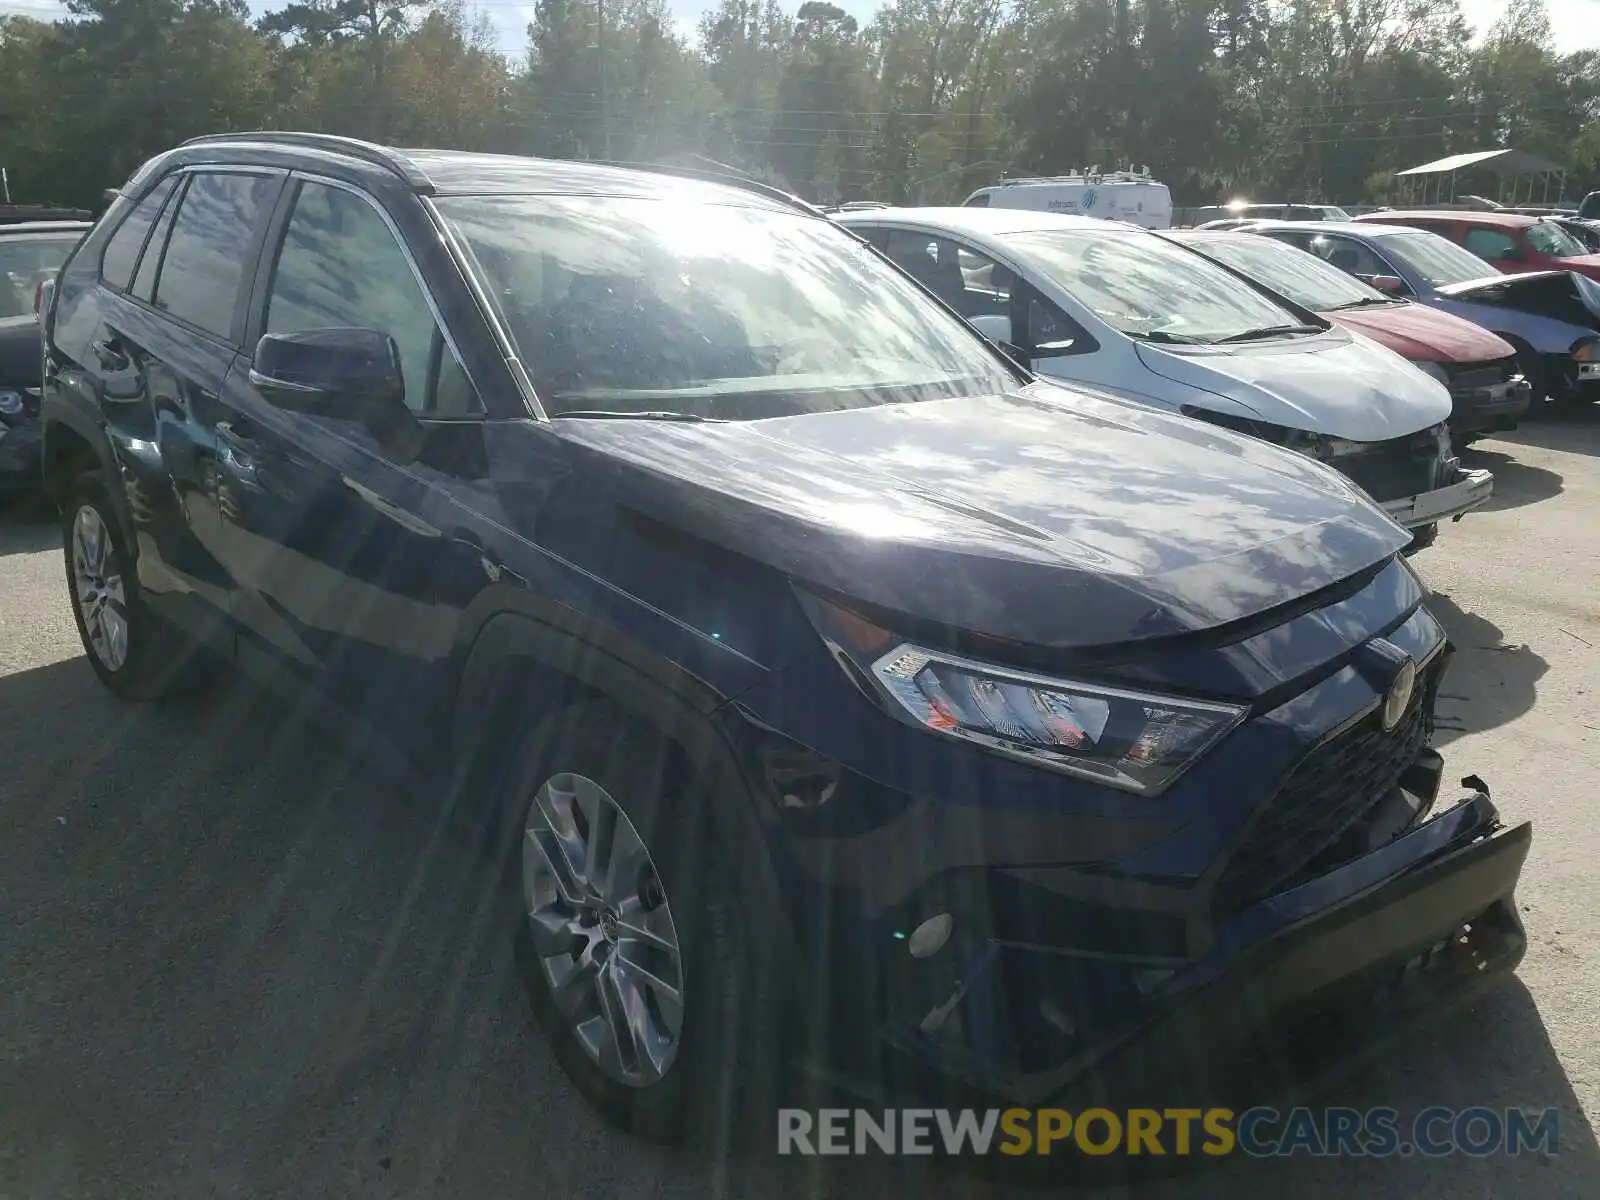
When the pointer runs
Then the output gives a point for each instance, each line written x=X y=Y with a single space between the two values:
x=1322 y=798
x=1464 y=377
x=1393 y=470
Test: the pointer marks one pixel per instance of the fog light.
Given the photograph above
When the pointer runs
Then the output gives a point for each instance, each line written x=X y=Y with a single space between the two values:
x=929 y=938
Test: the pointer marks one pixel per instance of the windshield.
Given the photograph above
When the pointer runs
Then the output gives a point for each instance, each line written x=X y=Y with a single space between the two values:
x=1143 y=285
x=1433 y=258
x=1304 y=278
x=626 y=305
x=1549 y=238
x=24 y=261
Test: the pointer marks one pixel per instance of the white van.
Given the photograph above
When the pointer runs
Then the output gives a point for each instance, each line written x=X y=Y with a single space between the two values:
x=1130 y=196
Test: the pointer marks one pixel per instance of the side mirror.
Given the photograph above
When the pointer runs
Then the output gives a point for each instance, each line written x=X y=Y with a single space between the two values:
x=351 y=374
x=1389 y=285
x=998 y=330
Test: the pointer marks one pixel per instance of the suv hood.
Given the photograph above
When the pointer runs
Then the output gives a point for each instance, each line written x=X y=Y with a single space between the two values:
x=1332 y=383
x=1562 y=295
x=1584 y=264
x=1424 y=334
x=1046 y=517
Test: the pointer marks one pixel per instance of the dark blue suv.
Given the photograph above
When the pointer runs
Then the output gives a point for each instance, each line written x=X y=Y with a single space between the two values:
x=838 y=695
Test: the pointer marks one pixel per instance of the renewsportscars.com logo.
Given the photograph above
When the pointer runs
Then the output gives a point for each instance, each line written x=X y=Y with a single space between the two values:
x=1216 y=1132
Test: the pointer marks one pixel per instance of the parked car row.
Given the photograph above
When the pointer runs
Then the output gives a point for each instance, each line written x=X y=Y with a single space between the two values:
x=1487 y=391
x=1551 y=318
x=833 y=692
x=1128 y=311
x=30 y=252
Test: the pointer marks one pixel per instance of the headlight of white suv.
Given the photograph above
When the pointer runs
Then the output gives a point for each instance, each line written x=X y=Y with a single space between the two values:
x=1133 y=740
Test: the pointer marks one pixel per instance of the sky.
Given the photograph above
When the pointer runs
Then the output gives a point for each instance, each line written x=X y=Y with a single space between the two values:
x=1575 y=23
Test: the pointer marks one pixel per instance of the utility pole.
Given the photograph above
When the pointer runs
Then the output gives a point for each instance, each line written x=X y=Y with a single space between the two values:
x=5 y=187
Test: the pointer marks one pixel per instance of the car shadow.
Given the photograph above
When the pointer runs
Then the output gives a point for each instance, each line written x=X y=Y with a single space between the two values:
x=27 y=526
x=1576 y=430
x=270 y=954
x=1515 y=483
x=1488 y=683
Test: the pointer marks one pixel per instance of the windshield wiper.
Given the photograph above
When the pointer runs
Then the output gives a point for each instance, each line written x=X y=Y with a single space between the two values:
x=601 y=414
x=1162 y=335
x=1364 y=302
x=1266 y=331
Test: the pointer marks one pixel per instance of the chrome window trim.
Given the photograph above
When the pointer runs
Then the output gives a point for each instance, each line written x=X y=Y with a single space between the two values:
x=464 y=261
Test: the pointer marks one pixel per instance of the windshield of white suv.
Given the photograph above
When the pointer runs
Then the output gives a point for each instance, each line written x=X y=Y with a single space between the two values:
x=1437 y=260
x=1145 y=287
x=641 y=307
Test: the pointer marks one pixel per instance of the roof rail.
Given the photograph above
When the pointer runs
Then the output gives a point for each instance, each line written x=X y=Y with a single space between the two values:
x=381 y=156
x=730 y=176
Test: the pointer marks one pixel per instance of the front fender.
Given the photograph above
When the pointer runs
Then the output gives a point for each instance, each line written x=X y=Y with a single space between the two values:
x=516 y=649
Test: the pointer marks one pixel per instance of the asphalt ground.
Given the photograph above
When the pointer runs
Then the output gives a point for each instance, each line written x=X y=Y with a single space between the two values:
x=234 y=961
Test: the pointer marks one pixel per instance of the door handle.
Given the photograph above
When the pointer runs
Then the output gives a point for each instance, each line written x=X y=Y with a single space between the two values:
x=111 y=356
x=236 y=451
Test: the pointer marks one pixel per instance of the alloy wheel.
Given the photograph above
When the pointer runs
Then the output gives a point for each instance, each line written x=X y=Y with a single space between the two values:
x=97 y=579
x=599 y=921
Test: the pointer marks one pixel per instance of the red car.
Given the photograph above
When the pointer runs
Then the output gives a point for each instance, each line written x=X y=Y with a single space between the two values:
x=1479 y=368
x=1511 y=242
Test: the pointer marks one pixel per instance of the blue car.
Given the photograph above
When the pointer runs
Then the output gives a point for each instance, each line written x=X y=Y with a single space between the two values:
x=1551 y=317
x=833 y=696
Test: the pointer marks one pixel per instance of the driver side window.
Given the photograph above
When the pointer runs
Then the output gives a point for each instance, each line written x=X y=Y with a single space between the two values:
x=340 y=266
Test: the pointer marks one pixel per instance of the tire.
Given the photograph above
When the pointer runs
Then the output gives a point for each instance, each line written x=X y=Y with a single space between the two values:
x=135 y=654
x=719 y=1081
x=1422 y=537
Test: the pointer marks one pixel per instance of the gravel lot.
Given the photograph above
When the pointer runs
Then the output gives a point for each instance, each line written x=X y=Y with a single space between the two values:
x=233 y=959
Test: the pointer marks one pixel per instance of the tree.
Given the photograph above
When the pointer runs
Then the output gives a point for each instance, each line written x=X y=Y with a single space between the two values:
x=374 y=25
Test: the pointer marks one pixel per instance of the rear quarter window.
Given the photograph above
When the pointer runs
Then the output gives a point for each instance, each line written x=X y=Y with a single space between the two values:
x=121 y=255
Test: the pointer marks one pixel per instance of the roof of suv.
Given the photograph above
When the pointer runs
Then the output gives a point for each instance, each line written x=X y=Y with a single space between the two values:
x=1360 y=228
x=458 y=172
x=985 y=221
x=1505 y=220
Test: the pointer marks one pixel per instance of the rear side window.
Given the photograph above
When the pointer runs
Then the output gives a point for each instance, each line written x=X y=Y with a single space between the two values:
x=205 y=259
x=1491 y=244
x=121 y=254
x=144 y=283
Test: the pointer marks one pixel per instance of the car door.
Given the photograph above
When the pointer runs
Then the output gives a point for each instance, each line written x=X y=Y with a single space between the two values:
x=175 y=282
x=324 y=525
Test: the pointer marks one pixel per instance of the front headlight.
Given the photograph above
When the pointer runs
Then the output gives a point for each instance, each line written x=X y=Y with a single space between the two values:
x=10 y=402
x=1435 y=370
x=1586 y=350
x=1136 y=741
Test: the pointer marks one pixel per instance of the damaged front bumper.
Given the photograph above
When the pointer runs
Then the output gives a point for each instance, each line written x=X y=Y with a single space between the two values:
x=1469 y=491
x=1298 y=985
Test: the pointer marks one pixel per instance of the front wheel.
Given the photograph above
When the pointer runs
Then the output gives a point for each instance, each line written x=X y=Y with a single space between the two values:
x=645 y=970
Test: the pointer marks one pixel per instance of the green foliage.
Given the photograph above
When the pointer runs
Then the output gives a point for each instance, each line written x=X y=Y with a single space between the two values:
x=1288 y=99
